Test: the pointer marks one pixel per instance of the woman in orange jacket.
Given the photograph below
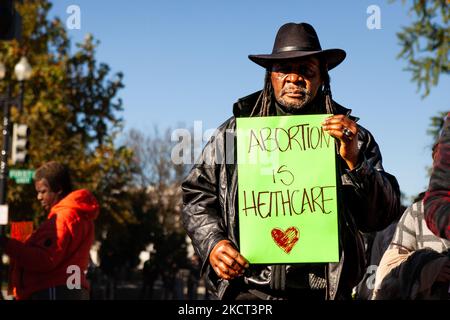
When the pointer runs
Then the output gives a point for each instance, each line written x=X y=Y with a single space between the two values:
x=51 y=264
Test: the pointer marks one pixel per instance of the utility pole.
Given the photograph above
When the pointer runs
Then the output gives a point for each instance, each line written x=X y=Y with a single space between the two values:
x=10 y=29
x=22 y=72
x=5 y=149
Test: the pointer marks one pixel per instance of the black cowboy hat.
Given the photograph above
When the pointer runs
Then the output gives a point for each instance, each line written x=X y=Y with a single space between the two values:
x=297 y=40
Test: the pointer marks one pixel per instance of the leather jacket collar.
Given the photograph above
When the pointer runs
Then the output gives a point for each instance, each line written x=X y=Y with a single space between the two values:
x=244 y=106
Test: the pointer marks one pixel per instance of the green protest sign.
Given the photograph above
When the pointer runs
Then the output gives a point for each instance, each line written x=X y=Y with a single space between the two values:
x=287 y=190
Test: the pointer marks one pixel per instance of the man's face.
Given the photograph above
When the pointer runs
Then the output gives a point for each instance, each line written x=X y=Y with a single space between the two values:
x=45 y=195
x=295 y=83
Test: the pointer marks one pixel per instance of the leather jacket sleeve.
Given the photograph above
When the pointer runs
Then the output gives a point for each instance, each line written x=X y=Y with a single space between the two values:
x=370 y=194
x=201 y=214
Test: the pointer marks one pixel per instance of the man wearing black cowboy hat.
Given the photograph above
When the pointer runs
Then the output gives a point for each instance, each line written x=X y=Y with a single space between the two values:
x=296 y=82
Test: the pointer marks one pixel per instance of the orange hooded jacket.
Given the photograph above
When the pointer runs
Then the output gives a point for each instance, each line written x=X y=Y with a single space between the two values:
x=59 y=247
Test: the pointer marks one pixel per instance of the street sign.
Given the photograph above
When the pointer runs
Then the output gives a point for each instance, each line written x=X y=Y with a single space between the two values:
x=21 y=176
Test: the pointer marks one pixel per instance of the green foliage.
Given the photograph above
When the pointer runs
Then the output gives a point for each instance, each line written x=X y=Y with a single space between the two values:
x=155 y=197
x=71 y=108
x=425 y=42
x=436 y=125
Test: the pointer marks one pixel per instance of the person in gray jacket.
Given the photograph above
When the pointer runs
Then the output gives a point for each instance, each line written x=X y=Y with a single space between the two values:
x=296 y=82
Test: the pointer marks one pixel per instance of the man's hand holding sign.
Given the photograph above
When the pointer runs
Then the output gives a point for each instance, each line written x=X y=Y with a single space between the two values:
x=344 y=129
x=227 y=262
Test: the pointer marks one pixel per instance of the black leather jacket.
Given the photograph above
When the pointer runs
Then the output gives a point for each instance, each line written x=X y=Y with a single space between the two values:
x=369 y=201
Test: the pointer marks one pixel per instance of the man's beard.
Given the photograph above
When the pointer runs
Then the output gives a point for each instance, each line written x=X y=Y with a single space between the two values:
x=291 y=106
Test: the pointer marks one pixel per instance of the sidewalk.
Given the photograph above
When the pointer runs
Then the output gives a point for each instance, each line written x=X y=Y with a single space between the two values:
x=130 y=289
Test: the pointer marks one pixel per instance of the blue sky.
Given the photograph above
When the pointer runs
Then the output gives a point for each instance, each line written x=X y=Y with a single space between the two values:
x=186 y=61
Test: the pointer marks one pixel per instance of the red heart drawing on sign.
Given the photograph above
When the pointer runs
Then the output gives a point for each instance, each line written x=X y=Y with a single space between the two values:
x=286 y=239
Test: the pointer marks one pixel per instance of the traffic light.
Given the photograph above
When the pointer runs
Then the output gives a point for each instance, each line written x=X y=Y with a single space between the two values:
x=10 y=21
x=19 y=153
